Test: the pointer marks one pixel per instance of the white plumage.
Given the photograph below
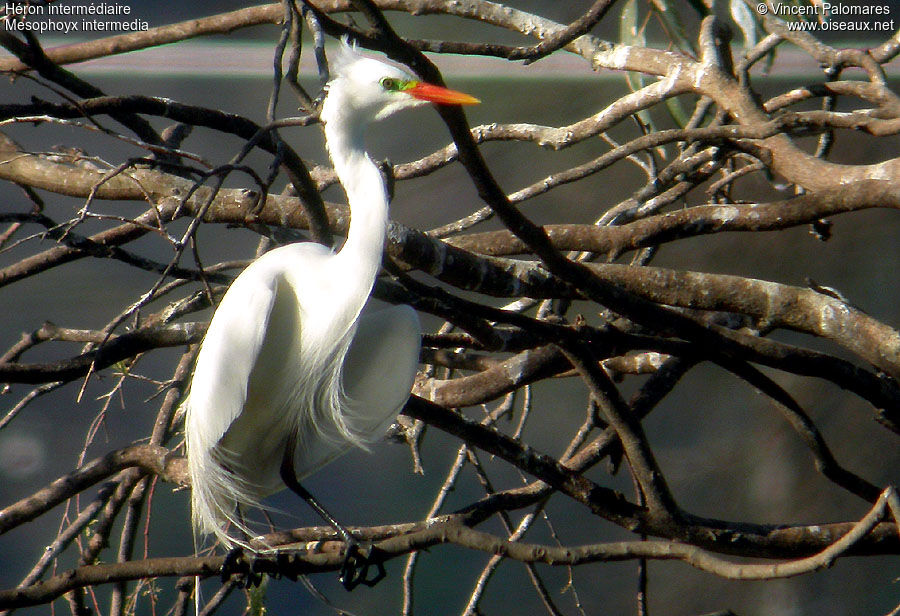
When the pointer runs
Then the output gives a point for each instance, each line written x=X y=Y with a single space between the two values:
x=289 y=361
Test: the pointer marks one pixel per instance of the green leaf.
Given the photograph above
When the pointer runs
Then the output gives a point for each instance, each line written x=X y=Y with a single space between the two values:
x=631 y=33
x=122 y=367
x=670 y=16
x=677 y=111
x=256 y=598
x=746 y=21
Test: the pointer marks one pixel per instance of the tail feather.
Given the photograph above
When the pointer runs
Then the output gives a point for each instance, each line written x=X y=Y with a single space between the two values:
x=217 y=494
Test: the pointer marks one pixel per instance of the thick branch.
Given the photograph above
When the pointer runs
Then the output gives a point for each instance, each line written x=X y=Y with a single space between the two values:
x=151 y=458
x=115 y=349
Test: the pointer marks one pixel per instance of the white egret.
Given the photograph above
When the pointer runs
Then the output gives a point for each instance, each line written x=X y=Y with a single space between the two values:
x=290 y=373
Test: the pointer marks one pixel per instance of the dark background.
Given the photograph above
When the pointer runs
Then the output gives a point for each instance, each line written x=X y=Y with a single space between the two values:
x=725 y=450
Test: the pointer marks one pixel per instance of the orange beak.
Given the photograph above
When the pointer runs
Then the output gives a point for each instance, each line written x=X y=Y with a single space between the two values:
x=442 y=96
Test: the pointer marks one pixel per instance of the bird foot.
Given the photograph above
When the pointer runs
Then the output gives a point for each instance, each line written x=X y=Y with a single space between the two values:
x=236 y=564
x=357 y=562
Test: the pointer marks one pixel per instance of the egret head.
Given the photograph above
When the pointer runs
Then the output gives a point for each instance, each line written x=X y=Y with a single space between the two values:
x=364 y=89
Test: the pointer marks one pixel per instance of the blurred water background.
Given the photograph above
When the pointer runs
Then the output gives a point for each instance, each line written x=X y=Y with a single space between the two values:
x=726 y=451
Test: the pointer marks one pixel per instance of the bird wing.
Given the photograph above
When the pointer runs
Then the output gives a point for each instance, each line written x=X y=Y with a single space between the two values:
x=217 y=399
x=378 y=373
x=228 y=355
x=382 y=360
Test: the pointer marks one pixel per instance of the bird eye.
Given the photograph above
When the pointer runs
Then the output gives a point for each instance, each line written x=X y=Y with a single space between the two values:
x=389 y=83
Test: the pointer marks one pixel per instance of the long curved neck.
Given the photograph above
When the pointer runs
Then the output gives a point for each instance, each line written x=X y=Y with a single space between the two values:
x=366 y=195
